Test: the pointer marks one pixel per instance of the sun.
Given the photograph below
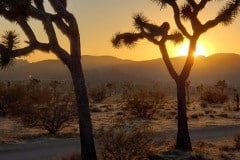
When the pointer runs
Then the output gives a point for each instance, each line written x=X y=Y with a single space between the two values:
x=183 y=49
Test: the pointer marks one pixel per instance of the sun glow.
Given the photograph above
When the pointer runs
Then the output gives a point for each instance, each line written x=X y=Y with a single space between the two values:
x=182 y=50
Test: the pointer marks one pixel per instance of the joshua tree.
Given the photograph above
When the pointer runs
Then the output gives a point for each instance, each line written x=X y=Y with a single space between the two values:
x=237 y=101
x=221 y=84
x=19 y=12
x=110 y=87
x=159 y=35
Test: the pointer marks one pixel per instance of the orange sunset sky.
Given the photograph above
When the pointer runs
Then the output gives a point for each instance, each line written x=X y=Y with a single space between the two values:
x=99 y=20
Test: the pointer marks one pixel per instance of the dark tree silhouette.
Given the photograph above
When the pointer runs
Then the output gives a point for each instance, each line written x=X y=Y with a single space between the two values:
x=19 y=12
x=159 y=35
x=187 y=85
x=110 y=87
x=237 y=101
x=221 y=84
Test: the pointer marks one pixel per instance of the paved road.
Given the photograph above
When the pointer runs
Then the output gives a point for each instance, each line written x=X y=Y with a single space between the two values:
x=45 y=149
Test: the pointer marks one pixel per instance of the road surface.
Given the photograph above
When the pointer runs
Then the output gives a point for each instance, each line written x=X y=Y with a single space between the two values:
x=60 y=147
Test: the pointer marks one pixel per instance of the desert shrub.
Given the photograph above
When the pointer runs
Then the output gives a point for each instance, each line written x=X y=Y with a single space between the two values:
x=52 y=114
x=226 y=148
x=213 y=96
x=237 y=142
x=223 y=115
x=125 y=141
x=127 y=90
x=143 y=103
x=46 y=107
x=95 y=109
x=106 y=107
x=72 y=156
x=203 y=104
x=2 y=108
x=225 y=156
x=201 y=151
x=196 y=115
x=210 y=111
x=211 y=116
x=13 y=98
x=200 y=156
x=98 y=94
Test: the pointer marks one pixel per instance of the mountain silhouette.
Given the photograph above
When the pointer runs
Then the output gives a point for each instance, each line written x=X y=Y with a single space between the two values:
x=102 y=69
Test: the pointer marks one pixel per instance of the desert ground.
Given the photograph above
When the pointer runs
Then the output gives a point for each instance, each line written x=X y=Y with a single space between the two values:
x=212 y=127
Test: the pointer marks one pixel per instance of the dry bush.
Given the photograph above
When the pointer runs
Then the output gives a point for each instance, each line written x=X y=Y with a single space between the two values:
x=225 y=156
x=213 y=96
x=127 y=90
x=202 y=151
x=52 y=115
x=94 y=108
x=125 y=141
x=200 y=156
x=210 y=111
x=143 y=103
x=72 y=156
x=223 y=115
x=12 y=98
x=45 y=107
x=203 y=104
x=196 y=115
x=237 y=142
x=226 y=148
x=98 y=94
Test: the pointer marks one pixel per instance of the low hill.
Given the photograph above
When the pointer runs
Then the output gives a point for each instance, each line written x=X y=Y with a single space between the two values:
x=110 y=69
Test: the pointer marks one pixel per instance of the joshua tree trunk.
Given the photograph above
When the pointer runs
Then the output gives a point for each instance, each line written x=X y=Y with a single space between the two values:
x=183 y=138
x=88 y=151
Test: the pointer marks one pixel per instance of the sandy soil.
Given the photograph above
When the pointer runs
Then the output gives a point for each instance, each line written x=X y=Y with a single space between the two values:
x=211 y=123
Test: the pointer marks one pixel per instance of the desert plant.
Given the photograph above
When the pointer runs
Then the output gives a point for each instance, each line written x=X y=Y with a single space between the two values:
x=51 y=114
x=196 y=115
x=159 y=35
x=127 y=90
x=95 y=109
x=58 y=19
x=237 y=102
x=125 y=141
x=10 y=40
x=98 y=94
x=211 y=95
x=221 y=85
x=144 y=103
x=225 y=156
x=51 y=118
x=203 y=104
x=237 y=142
x=200 y=156
x=37 y=106
x=72 y=156
x=13 y=98
x=110 y=88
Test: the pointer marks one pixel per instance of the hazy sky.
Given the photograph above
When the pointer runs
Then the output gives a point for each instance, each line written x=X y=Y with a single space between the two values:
x=99 y=20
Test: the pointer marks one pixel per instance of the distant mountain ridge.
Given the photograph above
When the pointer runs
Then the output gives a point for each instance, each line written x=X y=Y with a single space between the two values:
x=102 y=69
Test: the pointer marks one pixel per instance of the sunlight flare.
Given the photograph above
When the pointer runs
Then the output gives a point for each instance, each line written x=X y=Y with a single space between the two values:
x=182 y=50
